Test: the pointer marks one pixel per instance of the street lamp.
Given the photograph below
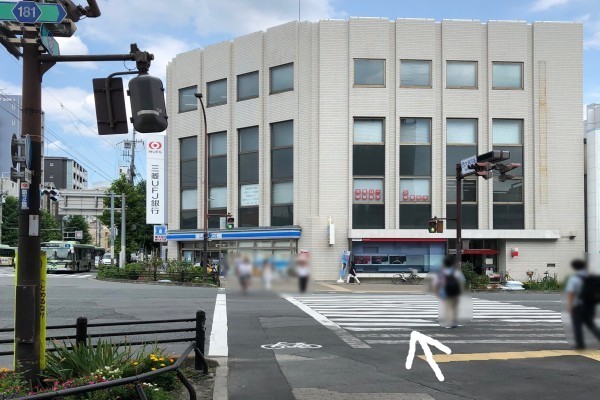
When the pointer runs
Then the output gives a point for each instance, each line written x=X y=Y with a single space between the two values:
x=205 y=236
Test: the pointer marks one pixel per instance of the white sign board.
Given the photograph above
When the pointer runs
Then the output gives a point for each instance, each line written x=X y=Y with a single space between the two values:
x=466 y=162
x=155 y=179
x=249 y=195
x=79 y=235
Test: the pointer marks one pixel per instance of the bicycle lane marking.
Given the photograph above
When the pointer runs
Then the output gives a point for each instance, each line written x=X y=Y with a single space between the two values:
x=347 y=337
x=218 y=346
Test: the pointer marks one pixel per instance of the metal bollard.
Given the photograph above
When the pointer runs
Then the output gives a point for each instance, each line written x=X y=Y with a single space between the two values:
x=200 y=338
x=81 y=331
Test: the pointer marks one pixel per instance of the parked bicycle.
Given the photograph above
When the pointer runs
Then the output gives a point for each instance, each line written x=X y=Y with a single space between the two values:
x=413 y=278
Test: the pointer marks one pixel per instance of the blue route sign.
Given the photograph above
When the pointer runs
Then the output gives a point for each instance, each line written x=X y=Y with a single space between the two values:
x=27 y=12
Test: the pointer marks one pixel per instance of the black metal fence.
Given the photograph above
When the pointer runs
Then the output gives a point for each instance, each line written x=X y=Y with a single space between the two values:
x=82 y=328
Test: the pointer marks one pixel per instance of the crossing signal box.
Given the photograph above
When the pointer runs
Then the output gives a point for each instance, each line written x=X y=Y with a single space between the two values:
x=439 y=226
x=432 y=226
x=148 y=110
x=230 y=222
x=484 y=169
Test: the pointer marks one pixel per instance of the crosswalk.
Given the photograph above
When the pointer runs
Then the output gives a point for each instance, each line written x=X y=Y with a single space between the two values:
x=11 y=274
x=388 y=319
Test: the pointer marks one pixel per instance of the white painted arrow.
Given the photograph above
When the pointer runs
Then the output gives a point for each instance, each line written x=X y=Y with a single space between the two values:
x=425 y=341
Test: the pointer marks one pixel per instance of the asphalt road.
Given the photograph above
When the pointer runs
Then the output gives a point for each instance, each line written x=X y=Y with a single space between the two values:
x=73 y=295
x=360 y=340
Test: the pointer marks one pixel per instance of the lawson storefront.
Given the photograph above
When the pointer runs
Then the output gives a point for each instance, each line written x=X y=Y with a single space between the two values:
x=268 y=243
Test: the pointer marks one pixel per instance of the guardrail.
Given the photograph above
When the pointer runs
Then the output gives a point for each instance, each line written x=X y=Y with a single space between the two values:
x=82 y=334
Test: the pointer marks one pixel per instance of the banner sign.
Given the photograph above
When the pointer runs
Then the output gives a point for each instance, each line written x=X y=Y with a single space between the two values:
x=156 y=179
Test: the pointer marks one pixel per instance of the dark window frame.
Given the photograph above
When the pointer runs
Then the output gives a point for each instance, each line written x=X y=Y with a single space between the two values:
x=220 y=103
x=211 y=157
x=238 y=85
x=271 y=91
x=521 y=63
x=247 y=182
x=430 y=86
x=476 y=74
x=183 y=187
x=286 y=180
x=367 y=85
x=179 y=95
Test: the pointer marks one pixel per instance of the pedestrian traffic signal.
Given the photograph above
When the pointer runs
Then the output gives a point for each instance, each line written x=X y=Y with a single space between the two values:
x=433 y=226
x=230 y=222
x=52 y=194
x=149 y=113
x=484 y=169
x=440 y=226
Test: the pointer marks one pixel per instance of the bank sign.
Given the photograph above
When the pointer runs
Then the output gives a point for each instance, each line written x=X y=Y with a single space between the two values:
x=156 y=204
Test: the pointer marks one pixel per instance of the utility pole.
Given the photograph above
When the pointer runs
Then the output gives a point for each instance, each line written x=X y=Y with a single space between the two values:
x=112 y=228
x=2 y=196
x=123 y=255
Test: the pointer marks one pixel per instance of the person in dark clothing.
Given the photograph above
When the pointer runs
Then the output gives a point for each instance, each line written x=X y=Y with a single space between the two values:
x=582 y=311
x=352 y=273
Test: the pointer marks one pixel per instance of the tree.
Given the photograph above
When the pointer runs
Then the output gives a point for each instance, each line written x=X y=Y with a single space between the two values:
x=139 y=235
x=77 y=223
x=10 y=217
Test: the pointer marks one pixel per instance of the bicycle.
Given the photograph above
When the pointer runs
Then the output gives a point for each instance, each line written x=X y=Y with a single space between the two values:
x=286 y=345
x=216 y=277
x=413 y=278
x=507 y=276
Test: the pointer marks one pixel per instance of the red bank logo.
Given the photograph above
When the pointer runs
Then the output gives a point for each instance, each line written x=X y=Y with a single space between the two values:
x=155 y=145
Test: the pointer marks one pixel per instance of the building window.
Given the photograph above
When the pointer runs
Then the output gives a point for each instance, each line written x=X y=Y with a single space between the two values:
x=368 y=149
x=282 y=173
x=461 y=74
x=508 y=196
x=369 y=72
x=281 y=78
x=248 y=177
x=368 y=208
x=188 y=180
x=461 y=142
x=368 y=166
x=52 y=164
x=216 y=93
x=507 y=75
x=415 y=73
x=217 y=177
x=187 y=100
x=247 y=86
x=415 y=172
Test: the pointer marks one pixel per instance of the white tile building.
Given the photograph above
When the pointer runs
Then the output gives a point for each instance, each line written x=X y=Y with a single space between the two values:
x=372 y=115
x=592 y=133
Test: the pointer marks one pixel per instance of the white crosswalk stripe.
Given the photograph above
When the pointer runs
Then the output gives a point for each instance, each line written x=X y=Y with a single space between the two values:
x=374 y=318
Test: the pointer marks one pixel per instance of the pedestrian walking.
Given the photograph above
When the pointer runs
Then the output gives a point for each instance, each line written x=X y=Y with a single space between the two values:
x=302 y=272
x=352 y=273
x=244 y=273
x=448 y=285
x=583 y=294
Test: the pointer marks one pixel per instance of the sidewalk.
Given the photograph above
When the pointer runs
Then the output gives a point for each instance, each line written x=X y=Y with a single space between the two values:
x=367 y=287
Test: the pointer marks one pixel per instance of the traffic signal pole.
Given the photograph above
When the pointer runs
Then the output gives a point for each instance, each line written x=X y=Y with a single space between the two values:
x=459 y=179
x=27 y=290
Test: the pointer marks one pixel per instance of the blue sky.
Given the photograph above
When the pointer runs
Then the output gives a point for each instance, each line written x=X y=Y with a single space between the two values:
x=166 y=30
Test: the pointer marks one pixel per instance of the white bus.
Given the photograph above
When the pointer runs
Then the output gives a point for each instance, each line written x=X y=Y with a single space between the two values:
x=68 y=256
x=7 y=256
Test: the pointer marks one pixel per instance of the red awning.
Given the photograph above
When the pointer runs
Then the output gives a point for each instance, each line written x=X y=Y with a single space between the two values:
x=481 y=251
x=403 y=240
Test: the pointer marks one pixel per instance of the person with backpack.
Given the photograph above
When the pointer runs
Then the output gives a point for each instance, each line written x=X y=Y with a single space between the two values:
x=583 y=294
x=352 y=273
x=448 y=285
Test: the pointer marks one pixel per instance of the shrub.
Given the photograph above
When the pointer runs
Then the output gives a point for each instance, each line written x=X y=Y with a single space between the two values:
x=473 y=279
x=134 y=271
x=12 y=385
x=110 y=272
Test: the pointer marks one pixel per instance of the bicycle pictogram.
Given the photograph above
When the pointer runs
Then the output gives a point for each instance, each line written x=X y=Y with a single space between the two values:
x=287 y=345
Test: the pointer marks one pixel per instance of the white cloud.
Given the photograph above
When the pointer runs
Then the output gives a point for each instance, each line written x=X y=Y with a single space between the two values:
x=74 y=45
x=543 y=5
x=164 y=48
x=55 y=146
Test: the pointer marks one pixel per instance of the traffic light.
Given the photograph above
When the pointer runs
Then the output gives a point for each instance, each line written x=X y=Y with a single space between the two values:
x=149 y=113
x=484 y=169
x=433 y=226
x=494 y=156
x=230 y=222
x=504 y=168
x=52 y=194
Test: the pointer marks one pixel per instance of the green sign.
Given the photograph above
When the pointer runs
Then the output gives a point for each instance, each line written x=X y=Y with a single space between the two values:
x=30 y=12
x=48 y=41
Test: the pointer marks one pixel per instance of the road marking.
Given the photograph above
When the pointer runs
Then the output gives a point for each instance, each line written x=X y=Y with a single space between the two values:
x=514 y=355
x=218 y=335
x=350 y=339
x=336 y=288
x=425 y=341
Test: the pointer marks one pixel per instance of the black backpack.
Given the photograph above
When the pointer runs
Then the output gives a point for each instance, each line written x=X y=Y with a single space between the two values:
x=452 y=285
x=590 y=292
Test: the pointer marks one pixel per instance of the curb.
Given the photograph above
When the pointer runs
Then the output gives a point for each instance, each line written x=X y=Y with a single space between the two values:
x=220 y=388
x=190 y=284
